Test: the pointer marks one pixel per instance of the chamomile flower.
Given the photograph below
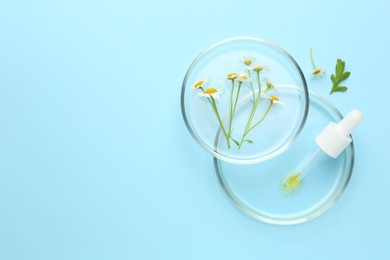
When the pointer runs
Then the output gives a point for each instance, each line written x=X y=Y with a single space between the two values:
x=269 y=85
x=199 y=83
x=211 y=92
x=243 y=77
x=317 y=72
x=232 y=76
x=272 y=98
x=257 y=68
x=248 y=60
x=275 y=100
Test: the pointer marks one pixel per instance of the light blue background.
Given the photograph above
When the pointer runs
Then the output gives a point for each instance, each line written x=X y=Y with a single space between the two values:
x=95 y=160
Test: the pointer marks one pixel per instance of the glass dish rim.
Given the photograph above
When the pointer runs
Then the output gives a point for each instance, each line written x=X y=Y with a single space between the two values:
x=288 y=142
x=325 y=207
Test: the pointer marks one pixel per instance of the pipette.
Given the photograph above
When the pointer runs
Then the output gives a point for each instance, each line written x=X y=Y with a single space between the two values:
x=331 y=142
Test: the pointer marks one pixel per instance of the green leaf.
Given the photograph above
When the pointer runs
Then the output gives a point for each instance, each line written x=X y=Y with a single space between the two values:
x=332 y=78
x=248 y=141
x=340 y=66
x=345 y=75
x=338 y=88
x=339 y=76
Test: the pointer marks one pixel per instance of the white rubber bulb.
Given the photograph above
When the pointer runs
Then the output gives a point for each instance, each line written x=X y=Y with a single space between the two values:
x=336 y=137
x=350 y=122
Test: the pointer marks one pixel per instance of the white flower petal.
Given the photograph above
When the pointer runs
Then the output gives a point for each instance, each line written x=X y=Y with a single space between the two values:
x=319 y=74
x=215 y=96
x=279 y=103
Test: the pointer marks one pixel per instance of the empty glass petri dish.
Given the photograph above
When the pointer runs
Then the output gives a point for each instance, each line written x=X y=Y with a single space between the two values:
x=257 y=189
x=255 y=118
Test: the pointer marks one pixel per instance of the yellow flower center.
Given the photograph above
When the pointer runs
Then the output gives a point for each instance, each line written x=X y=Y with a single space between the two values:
x=258 y=68
x=274 y=98
x=245 y=77
x=247 y=62
x=211 y=91
x=316 y=71
x=199 y=84
x=232 y=75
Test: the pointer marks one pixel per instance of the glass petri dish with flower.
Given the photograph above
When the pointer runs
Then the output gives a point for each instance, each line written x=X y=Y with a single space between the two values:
x=235 y=104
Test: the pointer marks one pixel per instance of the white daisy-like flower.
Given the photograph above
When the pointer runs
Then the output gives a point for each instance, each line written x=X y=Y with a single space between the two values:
x=232 y=76
x=272 y=98
x=248 y=60
x=212 y=92
x=229 y=77
x=257 y=68
x=200 y=82
x=243 y=77
x=318 y=73
x=275 y=100
x=269 y=85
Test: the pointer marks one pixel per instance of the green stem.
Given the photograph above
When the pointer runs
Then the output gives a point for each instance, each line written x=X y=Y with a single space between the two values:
x=261 y=119
x=247 y=124
x=238 y=93
x=214 y=105
x=253 y=112
x=250 y=82
x=312 y=59
x=256 y=103
x=231 y=110
x=256 y=124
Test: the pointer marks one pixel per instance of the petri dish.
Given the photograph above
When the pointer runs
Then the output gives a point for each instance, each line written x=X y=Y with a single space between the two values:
x=256 y=189
x=282 y=124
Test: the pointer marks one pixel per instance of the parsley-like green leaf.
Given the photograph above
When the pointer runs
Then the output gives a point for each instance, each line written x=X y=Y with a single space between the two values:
x=339 y=77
